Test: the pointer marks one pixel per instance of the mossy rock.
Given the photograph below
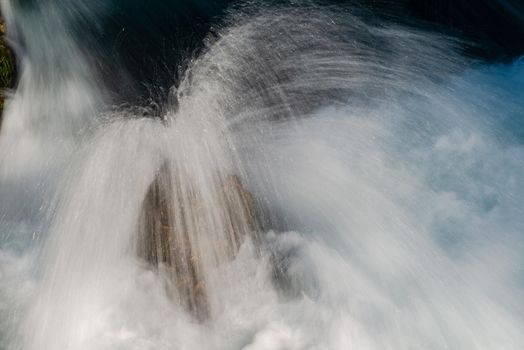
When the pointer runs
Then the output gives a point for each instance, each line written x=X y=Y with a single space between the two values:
x=7 y=66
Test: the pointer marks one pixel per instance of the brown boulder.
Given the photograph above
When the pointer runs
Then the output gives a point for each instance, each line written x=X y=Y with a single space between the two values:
x=180 y=227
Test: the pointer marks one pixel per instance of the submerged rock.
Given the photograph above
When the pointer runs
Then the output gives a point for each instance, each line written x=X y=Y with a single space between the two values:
x=181 y=231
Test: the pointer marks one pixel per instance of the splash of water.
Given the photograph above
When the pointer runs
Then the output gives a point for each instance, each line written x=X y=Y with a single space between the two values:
x=386 y=172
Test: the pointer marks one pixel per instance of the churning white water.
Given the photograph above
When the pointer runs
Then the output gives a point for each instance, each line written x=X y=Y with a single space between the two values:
x=387 y=172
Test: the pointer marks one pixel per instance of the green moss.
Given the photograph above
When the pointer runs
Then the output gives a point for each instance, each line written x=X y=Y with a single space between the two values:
x=6 y=68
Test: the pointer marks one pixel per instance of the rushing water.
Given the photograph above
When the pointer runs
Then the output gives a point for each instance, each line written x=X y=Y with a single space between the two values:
x=386 y=170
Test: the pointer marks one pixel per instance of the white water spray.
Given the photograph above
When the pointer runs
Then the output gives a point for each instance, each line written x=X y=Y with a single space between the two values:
x=381 y=163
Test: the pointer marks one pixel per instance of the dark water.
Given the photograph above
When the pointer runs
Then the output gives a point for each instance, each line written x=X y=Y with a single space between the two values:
x=142 y=48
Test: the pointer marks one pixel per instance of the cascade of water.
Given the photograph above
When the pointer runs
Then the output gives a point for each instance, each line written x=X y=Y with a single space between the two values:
x=315 y=182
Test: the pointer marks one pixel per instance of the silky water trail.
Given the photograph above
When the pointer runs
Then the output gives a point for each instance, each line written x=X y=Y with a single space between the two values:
x=315 y=182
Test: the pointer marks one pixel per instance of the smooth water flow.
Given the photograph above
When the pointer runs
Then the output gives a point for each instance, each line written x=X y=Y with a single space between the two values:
x=313 y=181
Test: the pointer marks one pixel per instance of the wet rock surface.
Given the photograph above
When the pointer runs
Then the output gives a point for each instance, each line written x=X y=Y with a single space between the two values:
x=174 y=224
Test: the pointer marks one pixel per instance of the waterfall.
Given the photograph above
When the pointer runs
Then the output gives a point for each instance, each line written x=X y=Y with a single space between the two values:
x=313 y=179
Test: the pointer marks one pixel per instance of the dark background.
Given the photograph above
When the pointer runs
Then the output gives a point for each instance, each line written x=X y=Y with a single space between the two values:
x=153 y=40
